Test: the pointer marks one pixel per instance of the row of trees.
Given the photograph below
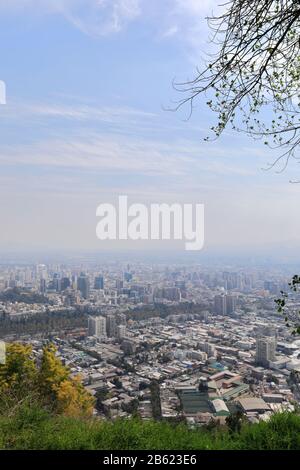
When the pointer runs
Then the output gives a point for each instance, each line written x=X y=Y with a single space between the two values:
x=15 y=295
x=43 y=322
x=162 y=310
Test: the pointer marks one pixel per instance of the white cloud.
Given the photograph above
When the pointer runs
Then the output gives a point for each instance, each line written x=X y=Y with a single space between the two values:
x=182 y=20
x=171 y=31
x=93 y=17
x=196 y=7
x=194 y=31
x=106 y=153
x=116 y=154
x=81 y=112
x=103 y=17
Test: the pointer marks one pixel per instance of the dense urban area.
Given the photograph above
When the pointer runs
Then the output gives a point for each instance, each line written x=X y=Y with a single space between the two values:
x=182 y=343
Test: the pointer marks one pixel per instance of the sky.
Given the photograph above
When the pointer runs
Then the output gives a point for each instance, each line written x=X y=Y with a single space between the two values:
x=89 y=93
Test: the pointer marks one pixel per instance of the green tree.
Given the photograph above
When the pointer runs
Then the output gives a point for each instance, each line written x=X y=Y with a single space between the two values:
x=66 y=392
x=49 y=382
x=235 y=421
x=19 y=373
x=155 y=400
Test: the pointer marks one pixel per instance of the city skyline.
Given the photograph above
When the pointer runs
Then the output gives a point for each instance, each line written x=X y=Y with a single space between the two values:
x=209 y=339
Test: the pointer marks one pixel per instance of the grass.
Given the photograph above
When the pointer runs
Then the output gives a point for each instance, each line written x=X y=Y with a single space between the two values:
x=34 y=428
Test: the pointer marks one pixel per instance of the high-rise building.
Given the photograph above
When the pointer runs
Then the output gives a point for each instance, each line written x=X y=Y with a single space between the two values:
x=220 y=304
x=119 y=284
x=97 y=326
x=208 y=348
x=168 y=293
x=172 y=293
x=127 y=277
x=65 y=283
x=230 y=304
x=265 y=350
x=71 y=297
x=83 y=285
x=42 y=286
x=99 y=282
x=224 y=304
x=56 y=282
x=111 y=325
x=121 y=331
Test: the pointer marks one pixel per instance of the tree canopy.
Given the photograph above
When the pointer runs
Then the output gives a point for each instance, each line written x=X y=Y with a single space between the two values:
x=252 y=80
x=47 y=381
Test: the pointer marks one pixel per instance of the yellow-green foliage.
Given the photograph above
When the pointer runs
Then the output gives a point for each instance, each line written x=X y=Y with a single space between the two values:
x=19 y=371
x=49 y=382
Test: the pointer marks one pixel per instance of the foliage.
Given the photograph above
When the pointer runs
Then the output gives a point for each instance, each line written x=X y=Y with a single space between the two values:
x=286 y=308
x=256 y=68
x=48 y=382
x=234 y=422
x=155 y=400
x=19 y=373
x=43 y=407
x=163 y=311
x=72 y=399
x=17 y=295
x=117 y=382
x=31 y=427
x=43 y=322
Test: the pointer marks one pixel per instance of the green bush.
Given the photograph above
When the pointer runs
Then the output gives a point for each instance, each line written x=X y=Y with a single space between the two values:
x=31 y=427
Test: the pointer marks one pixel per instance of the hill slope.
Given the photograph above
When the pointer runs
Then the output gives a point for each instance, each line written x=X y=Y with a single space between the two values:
x=34 y=428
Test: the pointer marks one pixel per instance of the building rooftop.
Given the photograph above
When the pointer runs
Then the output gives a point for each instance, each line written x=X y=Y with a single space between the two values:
x=194 y=402
x=253 y=404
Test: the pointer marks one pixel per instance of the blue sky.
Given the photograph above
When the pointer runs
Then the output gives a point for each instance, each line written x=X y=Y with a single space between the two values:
x=87 y=83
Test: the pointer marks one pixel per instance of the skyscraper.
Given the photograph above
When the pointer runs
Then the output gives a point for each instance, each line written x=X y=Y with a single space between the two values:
x=43 y=286
x=111 y=325
x=224 y=304
x=220 y=304
x=65 y=283
x=97 y=326
x=121 y=331
x=265 y=350
x=99 y=282
x=230 y=304
x=83 y=285
x=119 y=284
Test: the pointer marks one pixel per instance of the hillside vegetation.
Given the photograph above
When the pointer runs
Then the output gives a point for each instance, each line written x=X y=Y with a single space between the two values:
x=43 y=407
x=31 y=427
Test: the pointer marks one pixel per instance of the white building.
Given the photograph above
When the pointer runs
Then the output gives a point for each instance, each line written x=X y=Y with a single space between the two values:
x=97 y=326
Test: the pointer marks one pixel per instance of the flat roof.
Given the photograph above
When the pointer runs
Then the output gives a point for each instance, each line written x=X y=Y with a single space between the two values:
x=253 y=404
x=194 y=402
x=219 y=405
